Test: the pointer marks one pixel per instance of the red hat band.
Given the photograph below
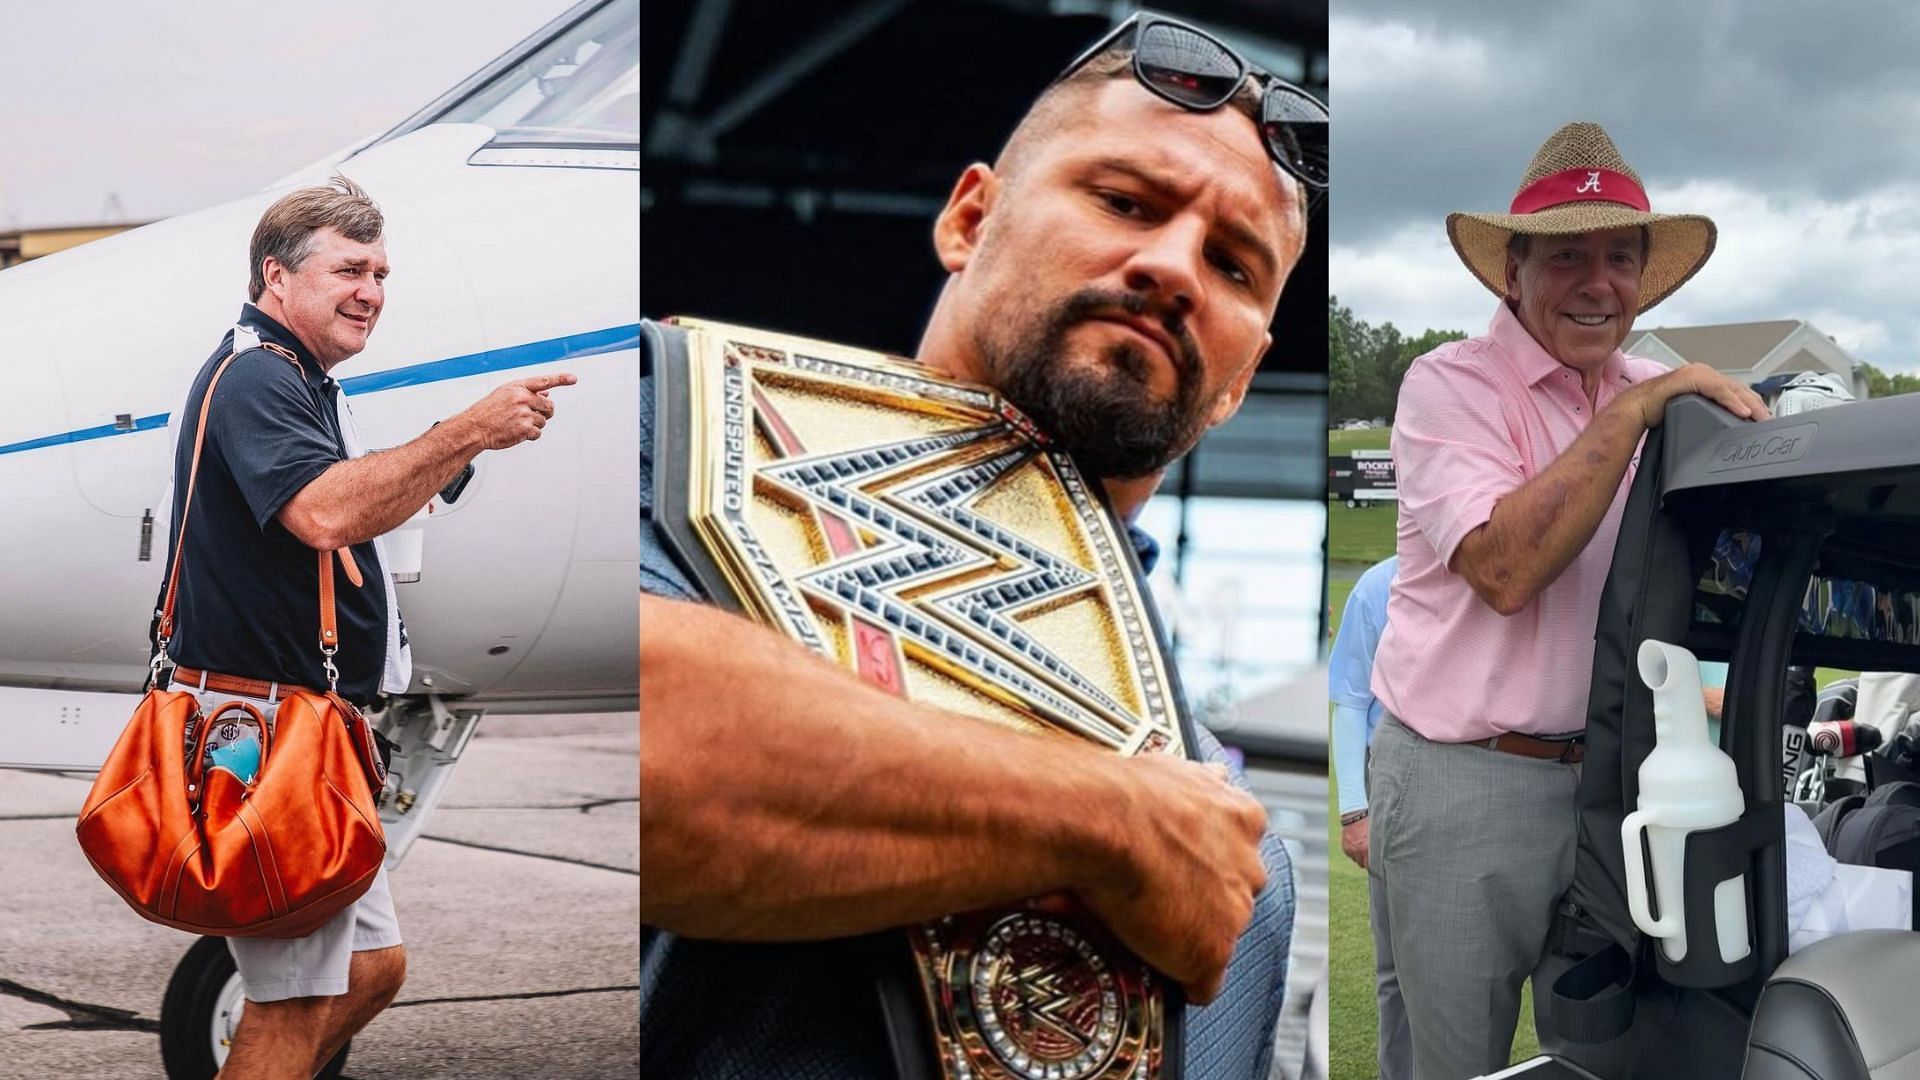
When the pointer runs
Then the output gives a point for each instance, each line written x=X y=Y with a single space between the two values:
x=1580 y=185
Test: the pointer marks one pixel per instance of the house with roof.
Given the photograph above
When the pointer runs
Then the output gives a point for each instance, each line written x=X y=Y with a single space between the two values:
x=1750 y=352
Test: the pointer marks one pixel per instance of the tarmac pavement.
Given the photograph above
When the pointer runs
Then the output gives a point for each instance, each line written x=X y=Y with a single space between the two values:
x=520 y=906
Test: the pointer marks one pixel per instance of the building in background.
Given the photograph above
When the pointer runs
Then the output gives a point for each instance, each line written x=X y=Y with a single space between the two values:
x=20 y=245
x=1750 y=352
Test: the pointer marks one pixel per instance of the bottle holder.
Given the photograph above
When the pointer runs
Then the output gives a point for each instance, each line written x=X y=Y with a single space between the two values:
x=1713 y=856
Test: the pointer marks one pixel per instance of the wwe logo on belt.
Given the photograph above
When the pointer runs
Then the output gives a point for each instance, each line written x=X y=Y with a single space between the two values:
x=1592 y=184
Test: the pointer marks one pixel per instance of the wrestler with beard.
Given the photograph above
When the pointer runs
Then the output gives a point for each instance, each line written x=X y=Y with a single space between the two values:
x=1106 y=414
x=1113 y=274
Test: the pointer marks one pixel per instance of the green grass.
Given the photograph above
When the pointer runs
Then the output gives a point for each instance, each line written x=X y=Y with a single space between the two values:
x=1352 y=1022
x=1361 y=535
x=1824 y=675
x=1343 y=442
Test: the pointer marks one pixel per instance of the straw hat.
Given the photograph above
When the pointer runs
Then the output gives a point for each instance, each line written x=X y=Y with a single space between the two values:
x=1578 y=183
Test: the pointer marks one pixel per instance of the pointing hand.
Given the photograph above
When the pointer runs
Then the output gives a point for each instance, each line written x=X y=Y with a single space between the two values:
x=515 y=412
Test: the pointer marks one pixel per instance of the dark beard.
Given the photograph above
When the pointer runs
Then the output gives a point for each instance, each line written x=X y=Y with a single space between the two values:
x=1106 y=415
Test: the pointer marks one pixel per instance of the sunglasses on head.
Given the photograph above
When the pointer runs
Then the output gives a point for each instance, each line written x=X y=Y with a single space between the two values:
x=1195 y=70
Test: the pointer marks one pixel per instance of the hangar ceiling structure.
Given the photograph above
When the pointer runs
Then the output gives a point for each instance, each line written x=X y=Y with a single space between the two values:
x=795 y=153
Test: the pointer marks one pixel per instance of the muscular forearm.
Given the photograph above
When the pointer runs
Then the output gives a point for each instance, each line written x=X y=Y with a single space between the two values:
x=1538 y=528
x=782 y=798
x=357 y=500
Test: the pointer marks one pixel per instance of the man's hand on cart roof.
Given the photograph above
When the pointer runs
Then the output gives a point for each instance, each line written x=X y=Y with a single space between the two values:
x=1730 y=394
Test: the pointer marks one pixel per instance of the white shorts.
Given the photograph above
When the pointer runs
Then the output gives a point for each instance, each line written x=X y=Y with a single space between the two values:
x=276 y=969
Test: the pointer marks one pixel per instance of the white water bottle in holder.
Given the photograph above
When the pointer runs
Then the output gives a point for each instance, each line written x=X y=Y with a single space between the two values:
x=1687 y=784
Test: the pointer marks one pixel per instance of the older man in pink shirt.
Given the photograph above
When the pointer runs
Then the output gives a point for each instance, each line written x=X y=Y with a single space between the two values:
x=1514 y=451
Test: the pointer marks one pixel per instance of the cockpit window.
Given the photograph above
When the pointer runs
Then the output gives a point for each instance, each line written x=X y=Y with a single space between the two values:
x=580 y=89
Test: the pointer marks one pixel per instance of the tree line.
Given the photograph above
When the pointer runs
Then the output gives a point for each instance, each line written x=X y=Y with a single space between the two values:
x=1365 y=363
x=1880 y=384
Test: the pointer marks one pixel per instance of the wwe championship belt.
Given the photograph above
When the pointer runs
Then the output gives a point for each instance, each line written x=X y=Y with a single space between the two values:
x=921 y=533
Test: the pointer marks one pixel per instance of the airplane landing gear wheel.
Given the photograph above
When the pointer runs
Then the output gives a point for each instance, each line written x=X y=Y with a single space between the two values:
x=202 y=1007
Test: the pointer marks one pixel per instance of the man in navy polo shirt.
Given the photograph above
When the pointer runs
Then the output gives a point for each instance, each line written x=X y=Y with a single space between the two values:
x=281 y=476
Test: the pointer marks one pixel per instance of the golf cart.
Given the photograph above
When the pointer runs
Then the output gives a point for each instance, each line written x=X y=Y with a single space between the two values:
x=1794 y=541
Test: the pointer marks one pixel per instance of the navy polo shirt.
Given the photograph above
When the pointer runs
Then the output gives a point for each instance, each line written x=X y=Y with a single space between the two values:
x=249 y=602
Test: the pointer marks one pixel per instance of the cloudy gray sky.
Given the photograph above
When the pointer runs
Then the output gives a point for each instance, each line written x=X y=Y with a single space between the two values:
x=1795 y=127
x=189 y=103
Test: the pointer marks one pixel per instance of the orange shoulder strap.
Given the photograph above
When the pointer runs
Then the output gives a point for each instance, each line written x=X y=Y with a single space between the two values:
x=329 y=633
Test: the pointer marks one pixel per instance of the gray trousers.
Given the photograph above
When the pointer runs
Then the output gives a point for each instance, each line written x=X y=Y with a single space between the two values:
x=1471 y=849
x=1396 y=1042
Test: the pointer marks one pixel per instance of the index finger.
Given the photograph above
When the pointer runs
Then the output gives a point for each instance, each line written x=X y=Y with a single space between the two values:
x=538 y=383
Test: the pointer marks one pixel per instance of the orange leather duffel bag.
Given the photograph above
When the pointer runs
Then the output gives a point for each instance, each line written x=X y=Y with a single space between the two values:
x=199 y=849
x=202 y=851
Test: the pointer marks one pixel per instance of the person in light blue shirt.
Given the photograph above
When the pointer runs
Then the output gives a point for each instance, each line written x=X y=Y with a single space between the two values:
x=1356 y=713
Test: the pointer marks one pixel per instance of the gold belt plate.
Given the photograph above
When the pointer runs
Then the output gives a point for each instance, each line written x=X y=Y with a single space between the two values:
x=920 y=532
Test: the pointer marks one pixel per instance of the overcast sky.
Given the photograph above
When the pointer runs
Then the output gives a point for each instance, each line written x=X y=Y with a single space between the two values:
x=1795 y=127
x=179 y=105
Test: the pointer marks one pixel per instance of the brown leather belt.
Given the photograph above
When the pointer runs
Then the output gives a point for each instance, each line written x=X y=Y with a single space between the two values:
x=183 y=677
x=1567 y=751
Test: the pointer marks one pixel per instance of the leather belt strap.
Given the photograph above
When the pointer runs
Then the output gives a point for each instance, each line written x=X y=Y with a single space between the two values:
x=1567 y=751
x=184 y=677
x=329 y=634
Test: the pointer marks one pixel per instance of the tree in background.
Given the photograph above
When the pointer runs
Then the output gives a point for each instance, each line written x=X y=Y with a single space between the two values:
x=1342 y=381
x=1880 y=384
x=1365 y=363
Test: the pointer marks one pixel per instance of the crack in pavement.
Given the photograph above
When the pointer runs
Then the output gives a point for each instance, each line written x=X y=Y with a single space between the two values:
x=585 y=744
x=36 y=817
x=528 y=996
x=530 y=854
x=81 y=1016
x=584 y=807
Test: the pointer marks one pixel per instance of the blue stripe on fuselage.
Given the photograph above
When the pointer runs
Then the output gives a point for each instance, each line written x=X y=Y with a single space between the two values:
x=570 y=347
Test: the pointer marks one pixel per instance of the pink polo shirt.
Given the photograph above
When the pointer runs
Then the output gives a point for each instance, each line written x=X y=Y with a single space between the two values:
x=1477 y=419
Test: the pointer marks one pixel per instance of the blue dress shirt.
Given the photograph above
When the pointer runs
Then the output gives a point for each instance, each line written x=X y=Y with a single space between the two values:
x=1356 y=712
